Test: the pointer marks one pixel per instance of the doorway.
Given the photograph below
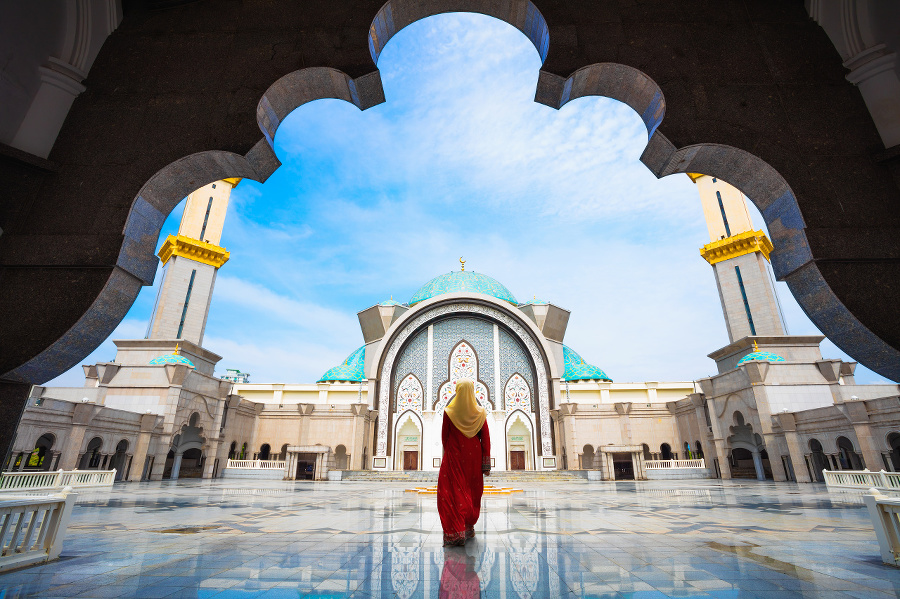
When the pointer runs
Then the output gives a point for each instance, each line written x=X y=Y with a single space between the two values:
x=623 y=466
x=306 y=466
x=517 y=460
x=410 y=460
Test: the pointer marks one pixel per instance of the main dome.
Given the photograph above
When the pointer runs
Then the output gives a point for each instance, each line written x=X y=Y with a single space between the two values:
x=462 y=280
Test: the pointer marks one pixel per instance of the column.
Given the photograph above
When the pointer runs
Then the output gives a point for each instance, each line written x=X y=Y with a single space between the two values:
x=722 y=454
x=72 y=448
x=758 y=465
x=176 y=466
x=775 y=453
x=798 y=459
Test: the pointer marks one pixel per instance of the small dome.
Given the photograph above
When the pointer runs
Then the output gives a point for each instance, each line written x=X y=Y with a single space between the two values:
x=390 y=302
x=535 y=302
x=760 y=356
x=579 y=370
x=172 y=359
x=350 y=370
x=462 y=280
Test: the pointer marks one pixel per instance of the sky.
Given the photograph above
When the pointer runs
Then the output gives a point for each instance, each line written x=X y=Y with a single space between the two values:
x=461 y=162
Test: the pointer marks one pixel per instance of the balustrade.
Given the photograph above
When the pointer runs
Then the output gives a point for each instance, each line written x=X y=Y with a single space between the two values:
x=862 y=479
x=32 y=527
x=659 y=464
x=885 y=515
x=37 y=481
x=257 y=464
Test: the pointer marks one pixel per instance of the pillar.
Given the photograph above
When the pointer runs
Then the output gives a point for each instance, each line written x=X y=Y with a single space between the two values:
x=360 y=413
x=722 y=454
x=798 y=459
x=148 y=423
x=176 y=466
x=13 y=398
x=758 y=465
x=72 y=449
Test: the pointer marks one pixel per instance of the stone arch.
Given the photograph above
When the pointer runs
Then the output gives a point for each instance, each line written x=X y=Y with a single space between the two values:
x=411 y=322
x=341 y=457
x=587 y=457
x=482 y=391
x=93 y=454
x=408 y=417
x=849 y=458
x=792 y=259
x=665 y=451
x=520 y=417
x=265 y=451
x=892 y=440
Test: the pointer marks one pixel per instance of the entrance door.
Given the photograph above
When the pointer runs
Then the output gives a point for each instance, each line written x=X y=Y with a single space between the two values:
x=517 y=460
x=410 y=460
x=623 y=466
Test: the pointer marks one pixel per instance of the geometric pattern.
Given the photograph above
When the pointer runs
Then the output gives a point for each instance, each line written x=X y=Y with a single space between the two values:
x=517 y=395
x=465 y=280
x=413 y=360
x=409 y=396
x=350 y=370
x=579 y=370
x=514 y=360
x=760 y=356
x=172 y=359
x=477 y=333
x=463 y=364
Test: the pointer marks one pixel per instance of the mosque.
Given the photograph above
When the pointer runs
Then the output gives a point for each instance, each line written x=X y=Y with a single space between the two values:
x=775 y=410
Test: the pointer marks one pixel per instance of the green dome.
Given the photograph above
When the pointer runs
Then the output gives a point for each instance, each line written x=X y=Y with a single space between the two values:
x=171 y=359
x=462 y=280
x=350 y=370
x=579 y=370
x=760 y=356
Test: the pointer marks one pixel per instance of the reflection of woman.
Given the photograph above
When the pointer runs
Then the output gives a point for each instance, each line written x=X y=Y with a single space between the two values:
x=467 y=456
x=458 y=578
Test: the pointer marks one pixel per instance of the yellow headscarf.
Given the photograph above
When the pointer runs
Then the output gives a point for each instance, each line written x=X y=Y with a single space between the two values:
x=464 y=411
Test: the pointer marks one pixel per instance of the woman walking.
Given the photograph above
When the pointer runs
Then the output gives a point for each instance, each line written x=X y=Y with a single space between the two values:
x=467 y=458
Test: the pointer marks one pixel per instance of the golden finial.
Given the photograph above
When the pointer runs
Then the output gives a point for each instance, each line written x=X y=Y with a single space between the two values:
x=462 y=264
x=177 y=349
x=755 y=346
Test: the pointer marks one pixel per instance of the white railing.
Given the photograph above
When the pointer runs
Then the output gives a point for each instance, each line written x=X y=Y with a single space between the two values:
x=40 y=481
x=32 y=527
x=659 y=464
x=257 y=464
x=885 y=515
x=862 y=479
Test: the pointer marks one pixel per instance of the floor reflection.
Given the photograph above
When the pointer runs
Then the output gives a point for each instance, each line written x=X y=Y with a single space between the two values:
x=336 y=540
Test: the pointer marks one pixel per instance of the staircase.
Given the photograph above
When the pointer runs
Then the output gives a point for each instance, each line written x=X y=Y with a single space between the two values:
x=418 y=477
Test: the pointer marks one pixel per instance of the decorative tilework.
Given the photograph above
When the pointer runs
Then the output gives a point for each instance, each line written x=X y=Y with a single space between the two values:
x=462 y=281
x=516 y=395
x=350 y=370
x=479 y=335
x=463 y=364
x=479 y=310
x=412 y=361
x=409 y=395
x=579 y=370
x=171 y=359
x=514 y=359
x=760 y=356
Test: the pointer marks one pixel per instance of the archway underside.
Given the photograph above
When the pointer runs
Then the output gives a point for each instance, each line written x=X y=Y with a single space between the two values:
x=79 y=231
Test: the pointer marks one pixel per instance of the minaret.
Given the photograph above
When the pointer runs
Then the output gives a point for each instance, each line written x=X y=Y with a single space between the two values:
x=191 y=260
x=739 y=257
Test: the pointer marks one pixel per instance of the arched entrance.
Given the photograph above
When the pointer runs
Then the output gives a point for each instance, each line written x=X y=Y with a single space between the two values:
x=92 y=457
x=665 y=452
x=121 y=460
x=341 y=459
x=264 y=452
x=893 y=440
x=185 y=458
x=41 y=458
x=408 y=441
x=817 y=461
x=519 y=442
x=847 y=456
x=587 y=457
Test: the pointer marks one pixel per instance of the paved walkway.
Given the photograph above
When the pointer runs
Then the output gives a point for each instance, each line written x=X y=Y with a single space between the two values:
x=349 y=539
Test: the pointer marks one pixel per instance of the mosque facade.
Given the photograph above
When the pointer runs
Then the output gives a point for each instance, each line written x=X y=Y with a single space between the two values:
x=776 y=409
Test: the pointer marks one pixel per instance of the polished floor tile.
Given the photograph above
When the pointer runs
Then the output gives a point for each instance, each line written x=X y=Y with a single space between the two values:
x=237 y=539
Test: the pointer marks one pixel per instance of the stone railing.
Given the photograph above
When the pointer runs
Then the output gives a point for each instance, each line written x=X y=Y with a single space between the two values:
x=885 y=515
x=39 y=481
x=659 y=464
x=257 y=464
x=862 y=479
x=32 y=527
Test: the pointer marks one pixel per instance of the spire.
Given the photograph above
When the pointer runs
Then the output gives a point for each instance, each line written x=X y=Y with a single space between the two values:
x=462 y=264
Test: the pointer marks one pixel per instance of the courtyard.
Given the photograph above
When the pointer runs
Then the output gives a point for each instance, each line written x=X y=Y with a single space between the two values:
x=701 y=538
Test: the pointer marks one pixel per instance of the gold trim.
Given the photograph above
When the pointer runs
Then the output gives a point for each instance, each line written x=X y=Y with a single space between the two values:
x=695 y=176
x=737 y=245
x=198 y=251
x=233 y=181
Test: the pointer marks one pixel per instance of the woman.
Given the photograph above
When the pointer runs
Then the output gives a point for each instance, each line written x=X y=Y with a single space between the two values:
x=467 y=457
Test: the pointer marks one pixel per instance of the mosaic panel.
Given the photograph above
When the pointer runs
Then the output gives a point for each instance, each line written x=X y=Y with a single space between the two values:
x=517 y=395
x=409 y=396
x=448 y=333
x=463 y=364
x=412 y=361
x=513 y=359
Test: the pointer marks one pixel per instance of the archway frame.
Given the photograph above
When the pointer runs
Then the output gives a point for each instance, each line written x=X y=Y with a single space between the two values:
x=792 y=259
x=416 y=419
x=520 y=416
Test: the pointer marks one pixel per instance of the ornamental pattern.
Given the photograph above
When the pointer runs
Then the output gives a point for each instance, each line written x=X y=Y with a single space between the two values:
x=760 y=356
x=465 y=280
x=487 y=312
x=579 y=370
x=514 y=359
x=463 y=364
x=516 y=395
x=413 y=360
x=409 y=395
x=479 y=334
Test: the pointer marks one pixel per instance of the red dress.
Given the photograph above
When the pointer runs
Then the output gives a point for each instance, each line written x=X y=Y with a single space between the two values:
x=460 y=482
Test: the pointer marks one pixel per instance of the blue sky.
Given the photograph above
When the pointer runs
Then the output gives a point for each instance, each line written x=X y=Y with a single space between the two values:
x=460 y=161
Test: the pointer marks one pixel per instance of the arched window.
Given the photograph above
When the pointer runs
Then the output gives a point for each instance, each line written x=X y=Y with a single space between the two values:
x=699 y=451
x=894 y=443
x=92 y=455
x=264 y=452
x=232 y=450
x=818 y=460
x=195 y=418
x=847 y=456
x=587 y=457
x=38 y=460
x=687 y=451
x=665 y=451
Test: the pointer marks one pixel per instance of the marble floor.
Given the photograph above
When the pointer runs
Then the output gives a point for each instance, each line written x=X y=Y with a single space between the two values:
x=740 y=539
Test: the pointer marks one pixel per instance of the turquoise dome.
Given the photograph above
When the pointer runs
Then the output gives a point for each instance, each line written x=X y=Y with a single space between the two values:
x=390 y=302
x=760 y=356
x=579 y=370
x=350 y=370
x=536 y=302
x=462 y=280
x=172 y=359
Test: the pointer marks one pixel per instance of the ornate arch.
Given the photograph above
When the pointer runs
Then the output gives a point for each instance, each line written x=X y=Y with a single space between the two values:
x=516 y=393
x=412 y=326
x=410 y=395
x=462 y=363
